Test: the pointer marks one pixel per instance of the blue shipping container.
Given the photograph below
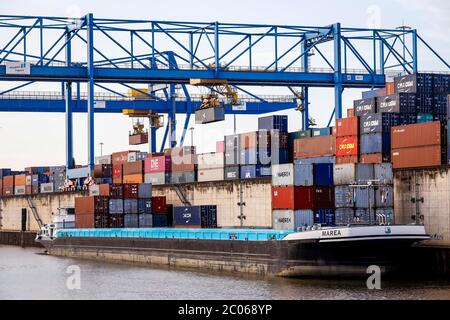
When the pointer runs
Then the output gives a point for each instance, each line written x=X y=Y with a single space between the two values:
x=324 y=217
x=344 y=216
x=130 y=206
x=343 y=197
x=197 y=216
x=160 y=221
x=362 y=196
x=376 y=143
x=4 y=173
x=116 y=206
x=424 y=117
x=131 y=221
x=250 y=172
x=145 y=221
x=145 y=206
x=279 y=123
x=323 y=174
x=303 y=175
x=266 y=171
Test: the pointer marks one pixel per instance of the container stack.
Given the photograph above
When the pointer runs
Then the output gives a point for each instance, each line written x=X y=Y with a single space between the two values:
x=116 y=207
x=324 y=212
x=347 y=140
x=133 y=172
x=91 y=212
x=144 y=206
x=210 y=167
x=19 y=184
x=195 y=217
x=157 y=169
x=162 y=213
x=184 y=168
x=8 y=186
x=232 y=170
x=130 y=205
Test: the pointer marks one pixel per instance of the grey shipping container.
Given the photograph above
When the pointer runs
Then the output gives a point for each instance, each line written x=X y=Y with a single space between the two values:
x=157 y=179
x=304 y=175
x=183 y=177
x=385 y=215
x=362 y=197
x=303 y=218
x=19 y=191
x=116 y=206
x=145 y=221
x=232 y=157
x=283 y=175
x=343 y=197
x=47 y=187
x=384 y=197
x=346 y=174
x=320 y=160
x=232 y=173
x=344 y=216
x=131 y=221
x=209 y=115
x=232 y=142
x=365 y=106
x=145 y=190
x=384 y=173
x=365 y=216
x=130 y=206
x=292 y=220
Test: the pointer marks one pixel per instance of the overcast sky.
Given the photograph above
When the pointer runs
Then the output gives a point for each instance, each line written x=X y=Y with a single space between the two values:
x=38 y=139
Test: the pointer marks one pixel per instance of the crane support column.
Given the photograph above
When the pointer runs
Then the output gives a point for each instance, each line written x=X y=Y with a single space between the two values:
x=68 y=101
x=90 y=85
x=338 y=87
x=152 y=139
x=305 y=120
x=414 y=51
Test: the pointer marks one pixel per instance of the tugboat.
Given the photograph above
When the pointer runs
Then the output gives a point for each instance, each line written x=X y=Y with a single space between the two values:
x=314 y=252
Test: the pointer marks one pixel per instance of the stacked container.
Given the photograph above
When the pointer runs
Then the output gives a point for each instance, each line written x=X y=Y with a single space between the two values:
x=195 y=217
x=20 y=184
x=232 y=157
x=116 y=206
x=162 y=215
x=144 y=206
x=210 y=167
x=8 y=185
x=91 y=212
x=184 y=168
x=347 y=140
x=314 y=147
x=157 y=169
x=130 y=205
x=133 y=172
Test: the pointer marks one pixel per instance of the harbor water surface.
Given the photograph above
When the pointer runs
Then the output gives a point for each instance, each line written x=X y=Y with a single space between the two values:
x=28 y=274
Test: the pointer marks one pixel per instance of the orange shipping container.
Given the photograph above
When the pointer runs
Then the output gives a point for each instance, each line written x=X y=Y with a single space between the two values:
x=374 y=158
x=417 y=157
x=105 y=190
x=8 y=181
x=133 y=178
x=390 y=88
x=132 y=168
x=347 y=146
x=347 y=127
x=350 y=113
x=20 y=180
x=416 y=135
x=314 y=147
x=347 y=160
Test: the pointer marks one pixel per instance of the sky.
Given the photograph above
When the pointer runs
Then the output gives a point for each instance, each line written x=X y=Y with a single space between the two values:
x=28 y=139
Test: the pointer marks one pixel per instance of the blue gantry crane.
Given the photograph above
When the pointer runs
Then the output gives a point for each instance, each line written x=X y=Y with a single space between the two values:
x=102 y=53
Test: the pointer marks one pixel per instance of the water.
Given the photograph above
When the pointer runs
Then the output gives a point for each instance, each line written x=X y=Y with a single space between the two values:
x=27 y=274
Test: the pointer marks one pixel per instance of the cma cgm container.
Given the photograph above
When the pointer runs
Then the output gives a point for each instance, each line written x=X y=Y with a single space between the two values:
x=195 y=217
x=378 y=123
x=293 y=198
x=399 y=103
x=347 y=146
x=314 y=147
x=415 y=83
x=365 y=106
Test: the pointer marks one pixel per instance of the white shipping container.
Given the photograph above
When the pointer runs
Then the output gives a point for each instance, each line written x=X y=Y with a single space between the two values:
x=103 y=160
x=19 y=191
x=344 y=174
x=94 y=190
x=47 y=188
x=292 y=220
x=156 y=179
x=210 y=175
x=28 y=180
x=283 y=175
x=211 y=161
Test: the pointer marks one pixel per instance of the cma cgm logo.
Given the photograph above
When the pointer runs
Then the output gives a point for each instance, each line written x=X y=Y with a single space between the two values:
x=331 y=233
x=366 y=107
x=386 y=104
x=406 y=84
x=371 y=123
x=347 y=146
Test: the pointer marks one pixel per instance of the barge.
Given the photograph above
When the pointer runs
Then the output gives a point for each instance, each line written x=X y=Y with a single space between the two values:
x=319 y=252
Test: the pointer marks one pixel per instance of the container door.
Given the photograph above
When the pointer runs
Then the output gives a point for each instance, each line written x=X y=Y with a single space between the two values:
x=24 y=219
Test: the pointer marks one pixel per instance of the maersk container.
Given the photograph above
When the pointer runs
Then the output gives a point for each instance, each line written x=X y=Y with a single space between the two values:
x=376 y=143
x=145 y=206
x=324 y=217
x=384 y=197
x=346 y=174
x=343 y=197
x=384 y=173
x=304 y=175
x=269 y=123
x=145 y=221
x=116 y=206
x=209 y=115
x=130 y=206
x=364 y=198
x=331 y=160
x=283 y=220
x=183 y=177
x=324 y=174
x=385 y=216
x=344 y=216
x=232 y=173
x=131 y=221
x=283 y=175
x=160 y=221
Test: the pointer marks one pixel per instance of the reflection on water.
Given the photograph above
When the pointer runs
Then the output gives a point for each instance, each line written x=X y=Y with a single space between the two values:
x=26 y=274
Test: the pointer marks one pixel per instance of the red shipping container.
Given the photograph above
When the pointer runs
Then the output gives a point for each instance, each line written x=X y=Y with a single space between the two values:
x=417 y=157
x=120 y=157
x=117 y=191
x=347 y=146
x=293 y=198
x=416 y=135
x=131 y=191
x=374 y=158
x=28 y=190
x=105 y=190
x=157 y=164
x=347 y=127
x=91 y=205
x=347 y=160
x=159 y=205
x=91 y=221
x=323 y=197
x=8 y=181
x=117 y=174
x=220 y=146
x=314 y=147
x=132 y=168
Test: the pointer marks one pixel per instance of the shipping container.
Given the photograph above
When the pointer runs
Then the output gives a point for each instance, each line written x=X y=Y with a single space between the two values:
x=157 y=179
x=159 y=205
x=324 y=217
x=91 y=221
x=209 y=175
x=144 y=206
x=323 y=197
x=103 y=160
x=416 y=135
x=331 y=160
x=346 y=174
x=138 y=139
x=417 y=157
x=130 y=206
x=20 y=190
x=377 y=143
x=250 y=172
x=365 y=106
x=269 y=123
x=4 y=173
x=116 y=206
x=372 y=158
x=133 y=168
x=209 y=115
x=320 y=132
x=314 y=147
x=211 y=161
x=414 y=83
x=425 y=117
x=116 y=221
x=232 y=143
x=344 y=216
x=94 y=190
x=292 y=220
x=78 y=173
x=160 y=221
x=303 y=175
x=384 y=197
x=232 y=173
x=283 y=175
x=347 y=160
x=47 y=187
x=343 y=197
x=347 y=146
x=384 y=173
x=131 y=191
x=145 y=191
x=117 y=191
x=385 y=216
x=398 y=103
x=378 y=123
x=183 y=177
x=347 y=127
x=232 y=157
x=145 y=221
x=131 y=221
x=91 y=205
x=103 y=171
x=119 y=157
x=105 y=190
x=195 y=216
x=324 y=174
x=117 y=174
x=364 y=197
x=162 y=164
x=133 y=179
x=20 y=180
x=365 y=216
x=293 y=198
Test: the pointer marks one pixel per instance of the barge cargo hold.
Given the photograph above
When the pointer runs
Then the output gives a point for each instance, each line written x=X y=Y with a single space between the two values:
x=324 y=252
